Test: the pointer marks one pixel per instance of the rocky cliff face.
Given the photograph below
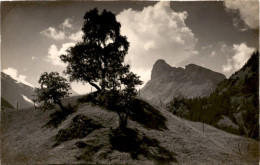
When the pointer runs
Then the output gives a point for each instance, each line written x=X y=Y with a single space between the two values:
x=168 y=82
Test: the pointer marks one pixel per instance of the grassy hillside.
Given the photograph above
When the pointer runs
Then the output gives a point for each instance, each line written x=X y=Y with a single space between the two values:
x=89 y=136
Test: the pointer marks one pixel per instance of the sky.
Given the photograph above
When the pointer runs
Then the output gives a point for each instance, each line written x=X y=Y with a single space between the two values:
x=218 y=35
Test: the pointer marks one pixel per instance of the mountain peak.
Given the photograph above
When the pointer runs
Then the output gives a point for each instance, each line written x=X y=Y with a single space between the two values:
x=159 y=67
x=191 y=81
x=160 y=61
x=191 y=66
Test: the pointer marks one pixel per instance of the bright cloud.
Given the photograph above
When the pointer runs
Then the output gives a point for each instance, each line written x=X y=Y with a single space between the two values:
x=156 y=32
x=76 y=36
x=249 y=11
x=51 y=32
x=66 y=23
x=34 y=58
x=241 y=54
x=14 y=74
x=82 y=88
x=54 y=54
x=213 y=53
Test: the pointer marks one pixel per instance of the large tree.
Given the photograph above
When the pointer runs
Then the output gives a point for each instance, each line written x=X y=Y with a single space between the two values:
x=98 y=59
x=53 y=89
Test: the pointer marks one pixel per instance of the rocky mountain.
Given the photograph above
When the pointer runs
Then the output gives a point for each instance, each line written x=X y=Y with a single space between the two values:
x=168 y=82
x=13 y=91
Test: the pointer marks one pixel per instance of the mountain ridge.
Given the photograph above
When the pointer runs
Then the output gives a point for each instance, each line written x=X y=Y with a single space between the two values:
x=167 y=82
x=15 y=92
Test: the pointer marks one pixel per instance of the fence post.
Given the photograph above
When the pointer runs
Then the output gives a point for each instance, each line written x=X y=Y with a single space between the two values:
x=17 y=105
x=238 y=148
x=247 y=147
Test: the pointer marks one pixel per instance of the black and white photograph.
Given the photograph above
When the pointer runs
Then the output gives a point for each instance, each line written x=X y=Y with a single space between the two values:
x=129 y=82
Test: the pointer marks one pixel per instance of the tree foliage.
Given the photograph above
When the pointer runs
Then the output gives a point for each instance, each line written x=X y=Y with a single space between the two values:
x=53 y=89
x=98 y=59
x=179 y=106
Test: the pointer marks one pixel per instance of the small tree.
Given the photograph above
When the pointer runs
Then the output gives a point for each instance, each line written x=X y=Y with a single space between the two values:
x=53 y=89
x=179 y=106
x=98 y=59
x=129 y=81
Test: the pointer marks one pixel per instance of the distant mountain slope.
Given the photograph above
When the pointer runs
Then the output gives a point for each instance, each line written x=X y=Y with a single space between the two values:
x=241 y=94
x=234 y=105
x=5 y=104
x=13 y=92
x=168 y=82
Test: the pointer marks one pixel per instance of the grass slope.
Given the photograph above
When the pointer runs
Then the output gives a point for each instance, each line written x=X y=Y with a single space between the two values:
x=26 y=141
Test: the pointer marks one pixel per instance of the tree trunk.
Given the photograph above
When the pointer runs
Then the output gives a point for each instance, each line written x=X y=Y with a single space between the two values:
x=94 y=85
x=61 y=106
x=123 y=121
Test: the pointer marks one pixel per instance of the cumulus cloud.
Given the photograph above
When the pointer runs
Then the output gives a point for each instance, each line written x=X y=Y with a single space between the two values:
x=156 y=32
x=81 y=88
x=18 y=77
x=213 y=53
x=67 y=23
x=248 y=10
x=63 y=31
x=207 y=47
x=76 y=36
x=54 y=54
x=51 y=32
x=34 y=58
x=241 y=54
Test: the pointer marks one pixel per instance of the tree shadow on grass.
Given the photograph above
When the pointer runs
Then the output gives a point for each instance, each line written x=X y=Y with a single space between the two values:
x=140 y=111
x=147 y=115
x=80 y=127
x=135 y=144
x=58 y=116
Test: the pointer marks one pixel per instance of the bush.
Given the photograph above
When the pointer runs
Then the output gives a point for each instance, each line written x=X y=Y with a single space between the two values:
x=179 y=106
